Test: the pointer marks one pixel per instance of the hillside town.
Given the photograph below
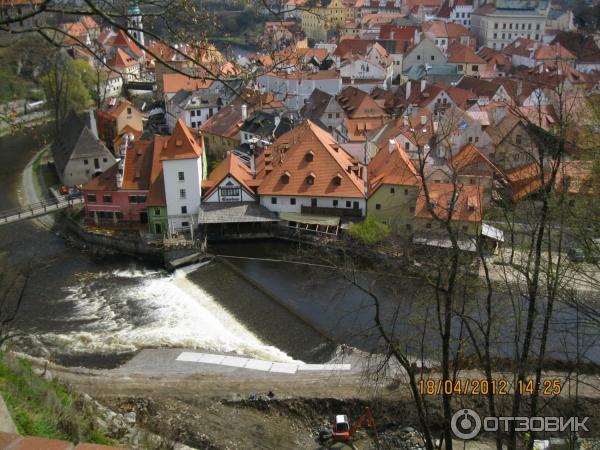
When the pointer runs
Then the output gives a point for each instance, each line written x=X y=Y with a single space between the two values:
x=324 y=221
x=356 y=107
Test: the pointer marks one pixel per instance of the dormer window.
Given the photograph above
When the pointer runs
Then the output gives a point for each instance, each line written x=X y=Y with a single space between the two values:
x=309 y=156
x=337 y=179
x=310 y=179
x=285 y=178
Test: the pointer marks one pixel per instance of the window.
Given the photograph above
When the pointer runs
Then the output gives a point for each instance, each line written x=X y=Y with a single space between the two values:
x=537 y=37
x=428 y=225
x=273 y=200
x=412 y=209
x=310 y=180
x=229 y=193
x=285 y=178
x=495 y=35
x=495 y=25
x=337 y=180
x=432 y=58
x=104 y=159
x=405 y=191
x=537 y=27
x=476 y=138
x=418 y=57
x=504 y=26
x=309 y=156
x=96 y=163
x=529 y=26
x=408 y=226
x=157 y=211
x=518 y=139
x=85 y=162
x=107 y=198
x=407 y=146
x=355 y=205
x=330 y=116
x=348 y=204
x=377 y=206
x=182 y=193
x=184 y=210
x=337 y=115
x=129 y=111
x=313 y=202
x=392 y=190
x=470 y=139
x=460 y=67
x=91 y=198
x=335 y=203
x=292 y=201
x=185 y=224
x=510 y=26
x=181 y=176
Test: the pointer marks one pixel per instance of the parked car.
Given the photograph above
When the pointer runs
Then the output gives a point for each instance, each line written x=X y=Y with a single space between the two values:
x=75 y=194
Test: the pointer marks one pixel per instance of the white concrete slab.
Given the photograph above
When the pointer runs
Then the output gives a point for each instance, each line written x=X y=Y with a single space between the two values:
x=234 y=361
x=257 y=364
x=208 y=358
x=188 y=357
x=284 y=368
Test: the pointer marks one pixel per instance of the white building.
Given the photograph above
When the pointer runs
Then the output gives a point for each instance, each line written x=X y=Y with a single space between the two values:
x=315 y=176
x=294 y=89
x=194 y=108
x=184 y=167
x=497 y=26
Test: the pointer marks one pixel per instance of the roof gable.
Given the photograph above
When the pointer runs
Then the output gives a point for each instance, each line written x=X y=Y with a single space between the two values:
x=328 y=161
x=181 y=144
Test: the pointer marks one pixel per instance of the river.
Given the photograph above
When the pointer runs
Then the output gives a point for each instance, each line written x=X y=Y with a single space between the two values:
x=97 y=311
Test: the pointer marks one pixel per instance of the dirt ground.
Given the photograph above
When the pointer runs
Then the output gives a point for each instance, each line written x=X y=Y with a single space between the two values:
x=211 y=411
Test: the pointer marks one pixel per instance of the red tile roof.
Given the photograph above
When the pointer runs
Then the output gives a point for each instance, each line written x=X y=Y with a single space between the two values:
x=464 y=207
x=122 y=40
x=329 y=160
x=461 y=54
x=182 y=144
x=391 y=166
x=156 y=196
x=121 y=60
x=231 y=166
x=471 y=161
x=174 y=82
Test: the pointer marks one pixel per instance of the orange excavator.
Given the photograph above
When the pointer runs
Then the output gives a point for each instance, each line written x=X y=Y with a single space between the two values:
x=342 y=432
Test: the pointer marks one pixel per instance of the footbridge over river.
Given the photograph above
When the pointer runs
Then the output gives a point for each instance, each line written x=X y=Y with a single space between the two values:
x=37 y=209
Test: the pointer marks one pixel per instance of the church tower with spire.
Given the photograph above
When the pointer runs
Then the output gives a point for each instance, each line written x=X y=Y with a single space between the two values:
x=135 y=26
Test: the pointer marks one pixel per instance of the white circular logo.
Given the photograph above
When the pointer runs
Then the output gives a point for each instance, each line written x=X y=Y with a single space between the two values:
x=466 y=424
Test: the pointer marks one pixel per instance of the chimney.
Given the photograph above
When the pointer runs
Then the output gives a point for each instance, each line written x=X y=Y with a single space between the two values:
x=391 y=145
x=253 y=164
x=423 y=85
x=407 y=89
x=423 y=120
x=244 y=112
x=405 y=120
x=393 y=35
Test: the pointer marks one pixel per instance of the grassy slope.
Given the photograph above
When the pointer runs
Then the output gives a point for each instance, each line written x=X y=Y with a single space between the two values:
x=45 y=408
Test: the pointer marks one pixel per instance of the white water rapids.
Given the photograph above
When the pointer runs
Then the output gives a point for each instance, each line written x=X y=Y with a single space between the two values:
x=125 y=310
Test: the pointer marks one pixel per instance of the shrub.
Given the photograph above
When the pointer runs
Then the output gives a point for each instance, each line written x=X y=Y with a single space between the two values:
x=369 y=231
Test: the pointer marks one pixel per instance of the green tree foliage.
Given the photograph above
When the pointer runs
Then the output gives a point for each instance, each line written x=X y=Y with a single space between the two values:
x=370 y=231
x=65 y=86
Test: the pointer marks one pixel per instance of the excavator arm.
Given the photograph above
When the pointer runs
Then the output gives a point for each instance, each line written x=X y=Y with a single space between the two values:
x=368 y=419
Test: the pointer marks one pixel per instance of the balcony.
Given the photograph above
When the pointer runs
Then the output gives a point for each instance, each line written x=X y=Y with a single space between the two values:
x=337 y=212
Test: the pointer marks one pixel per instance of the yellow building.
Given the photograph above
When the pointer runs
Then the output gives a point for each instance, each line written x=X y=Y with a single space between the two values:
x=393 y=189
x=320 y=21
